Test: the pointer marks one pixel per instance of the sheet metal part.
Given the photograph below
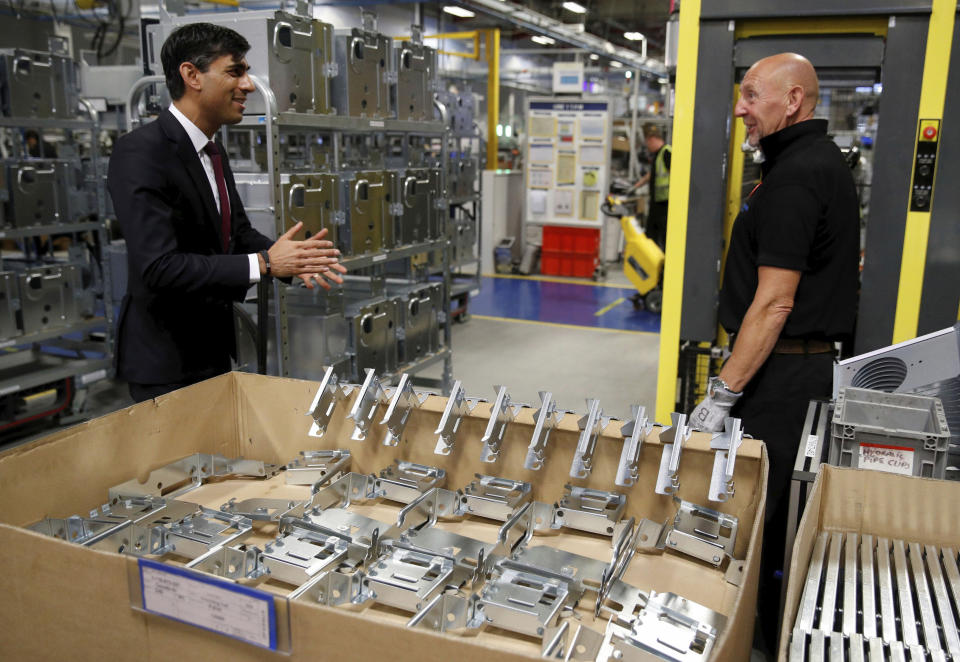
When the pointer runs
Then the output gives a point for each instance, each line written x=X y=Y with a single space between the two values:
x=908 y=621
x=329 y=394
x=582 y=572
x=726 y=443
x=897 y=653
x=928 y=621
x=818 y=646
x=944 y=608
x=591 y=426
x=295 y=557
x=634 y=432
x=885 y=587
x=264 y=509
x=448 y=612
x=349 y=488
x=836 y=649
x=875 y=651
x=369 y=397
x=457 y=407
x=525 y=599
x=406 y=578
x=501 y=415
x=195 y=535
x=317 y=468
x=404 y=400
x=856 y=652
x=671 y=628
x=706 y=534
x=868 y=588
x=811 y=587
x=828 y=597
x=571 y=641
x=236 y=562
x=332 y=588
x=849 y=616
x=494 y=498
x=188 y=473
x=798 y=646
x=594 y=511
x=673 y=438
x=547 y=417
x=406 y=481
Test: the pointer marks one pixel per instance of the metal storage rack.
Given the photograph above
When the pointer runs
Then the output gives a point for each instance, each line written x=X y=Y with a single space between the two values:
x=56 y=312
x=318 y=152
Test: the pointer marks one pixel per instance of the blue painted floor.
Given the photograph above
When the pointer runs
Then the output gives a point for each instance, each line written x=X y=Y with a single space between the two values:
x=597 y=306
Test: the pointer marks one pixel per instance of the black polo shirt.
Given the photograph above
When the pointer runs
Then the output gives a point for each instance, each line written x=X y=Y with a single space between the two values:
x=804 y=216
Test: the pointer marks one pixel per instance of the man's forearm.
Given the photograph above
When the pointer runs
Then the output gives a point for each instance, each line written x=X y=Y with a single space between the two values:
x=755 y=340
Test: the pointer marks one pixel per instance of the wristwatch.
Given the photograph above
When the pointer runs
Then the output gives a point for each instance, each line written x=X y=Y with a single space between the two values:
x=266 y=262
x=716 y=384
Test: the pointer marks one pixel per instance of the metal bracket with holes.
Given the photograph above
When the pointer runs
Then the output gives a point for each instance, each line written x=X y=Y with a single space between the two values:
x=406 y=578
x=571 y=641
x=673 y=438
x=448 y=612
x=726 y=444
x=594 y=511
x=196 y=534
x=297 y=556
x=591 y=427
x=333 y=588
x=187 y=473
x=526 y=599
x=404 y=400
x=370 y=396
x=457 y=407
x=264 y=510
x=145 y=532
x=328 y=396
x=239 y=563
x=633 y=432
x=501 y=415
x=494 y=498
x=406 y=481
x=349 y=488
x=702 y=533
x=547 y=418
x=317 y=468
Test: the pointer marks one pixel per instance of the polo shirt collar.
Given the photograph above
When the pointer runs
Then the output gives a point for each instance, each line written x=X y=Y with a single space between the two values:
x=777 y=143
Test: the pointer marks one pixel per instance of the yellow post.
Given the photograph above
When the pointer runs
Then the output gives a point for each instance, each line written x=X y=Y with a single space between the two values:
x=493 y=95
x=686 y=92
x=936 y=63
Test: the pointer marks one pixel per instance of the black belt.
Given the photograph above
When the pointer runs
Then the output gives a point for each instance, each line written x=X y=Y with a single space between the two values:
x=802 y=346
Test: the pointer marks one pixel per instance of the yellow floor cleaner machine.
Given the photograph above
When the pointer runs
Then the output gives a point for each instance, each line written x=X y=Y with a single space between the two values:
x=642 y=257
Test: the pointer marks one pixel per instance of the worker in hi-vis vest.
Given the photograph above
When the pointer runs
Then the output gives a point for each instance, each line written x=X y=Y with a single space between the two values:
x=659 y=179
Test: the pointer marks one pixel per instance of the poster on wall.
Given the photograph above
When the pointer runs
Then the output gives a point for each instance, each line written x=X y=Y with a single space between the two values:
x=567 y=160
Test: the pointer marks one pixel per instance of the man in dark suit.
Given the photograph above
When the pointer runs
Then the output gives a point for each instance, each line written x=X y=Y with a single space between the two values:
x=191 y=250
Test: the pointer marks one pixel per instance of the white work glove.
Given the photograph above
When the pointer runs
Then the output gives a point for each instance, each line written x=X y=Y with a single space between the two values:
x=709 y=414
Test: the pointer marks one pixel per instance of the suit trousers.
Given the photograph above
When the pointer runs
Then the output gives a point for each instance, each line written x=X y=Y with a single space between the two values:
x=773 y=408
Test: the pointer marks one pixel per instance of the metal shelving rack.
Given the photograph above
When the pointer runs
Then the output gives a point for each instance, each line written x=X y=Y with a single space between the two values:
x=61 y=359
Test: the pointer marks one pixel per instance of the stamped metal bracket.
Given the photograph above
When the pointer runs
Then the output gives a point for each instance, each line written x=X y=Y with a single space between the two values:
x=317 y=468
x=349 y=488
x=591 y=427
x=406 y=481
x=369 y=397
x=494 y=498
x=594 y=511
x=263 y=509
x=633 y=432
x=236 y=562
x=325 y=401
x=525 y=599
x=726 y=444
x=673 y=438
x=501 y=415
x=457 y=407
x=404 y=400
x=547 y=418
x=702 y=533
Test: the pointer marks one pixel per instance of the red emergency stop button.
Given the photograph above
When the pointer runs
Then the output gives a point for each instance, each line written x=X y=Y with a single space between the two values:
x=930 y=132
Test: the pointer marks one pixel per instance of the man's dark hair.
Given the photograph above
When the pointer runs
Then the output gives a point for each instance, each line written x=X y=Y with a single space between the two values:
x=200 y=44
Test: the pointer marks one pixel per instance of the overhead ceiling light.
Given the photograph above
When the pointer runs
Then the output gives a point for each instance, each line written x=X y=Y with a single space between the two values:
x=615 y=63
x=541 y=39
x=594 y=56
x=575 y=8
x=633 y=36
x=628 y=74
x=459 y=12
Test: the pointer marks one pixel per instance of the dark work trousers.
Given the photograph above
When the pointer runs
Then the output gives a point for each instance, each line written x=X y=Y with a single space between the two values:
x=656 y=227
x=773 y=408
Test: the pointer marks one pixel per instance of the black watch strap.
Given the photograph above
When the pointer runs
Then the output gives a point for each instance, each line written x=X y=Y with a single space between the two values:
x=266 y=261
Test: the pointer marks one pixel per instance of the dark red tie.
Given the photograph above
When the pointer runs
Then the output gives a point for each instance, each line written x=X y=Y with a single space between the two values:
x=211 y=149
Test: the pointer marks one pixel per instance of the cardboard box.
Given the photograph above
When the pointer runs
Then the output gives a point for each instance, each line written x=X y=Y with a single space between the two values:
x=64 y=601
x=884 y=505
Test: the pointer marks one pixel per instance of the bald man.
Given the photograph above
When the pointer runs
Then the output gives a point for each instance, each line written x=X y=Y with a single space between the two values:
x=789 y=288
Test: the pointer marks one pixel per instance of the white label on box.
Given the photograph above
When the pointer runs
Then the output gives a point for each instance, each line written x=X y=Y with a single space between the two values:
x=236 y=611
x=94 y=376
x=811 y=450
x=379 y=258
x=377 y=124
x=892 y=459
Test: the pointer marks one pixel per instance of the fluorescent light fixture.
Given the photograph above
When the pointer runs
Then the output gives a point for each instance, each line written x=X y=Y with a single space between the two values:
x=594 y=56
x=459 y=12
x=508 y=130
x=628 y=74
x=541 y=39
x=575 y=8
x=615 y=63
x=663 y=81
x=499 y=129
x=633 y=36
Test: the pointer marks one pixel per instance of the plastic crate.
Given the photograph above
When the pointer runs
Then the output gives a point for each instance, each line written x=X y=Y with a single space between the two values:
x=893 y=432
x=569 y=251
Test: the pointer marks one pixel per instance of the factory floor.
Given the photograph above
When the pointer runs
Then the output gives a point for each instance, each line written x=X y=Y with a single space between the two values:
x=576 y=338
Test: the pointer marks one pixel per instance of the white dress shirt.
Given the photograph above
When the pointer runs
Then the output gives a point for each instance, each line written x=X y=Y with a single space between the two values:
x=200 y=140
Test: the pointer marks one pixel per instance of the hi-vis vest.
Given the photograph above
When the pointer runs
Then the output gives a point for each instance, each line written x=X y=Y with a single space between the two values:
x=661 y=176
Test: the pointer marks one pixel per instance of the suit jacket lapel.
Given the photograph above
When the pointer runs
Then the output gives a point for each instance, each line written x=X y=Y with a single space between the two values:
x=191 y=163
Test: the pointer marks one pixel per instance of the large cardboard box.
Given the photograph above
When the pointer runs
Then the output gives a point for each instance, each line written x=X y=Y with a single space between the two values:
x=64 y=601
x=881 y=504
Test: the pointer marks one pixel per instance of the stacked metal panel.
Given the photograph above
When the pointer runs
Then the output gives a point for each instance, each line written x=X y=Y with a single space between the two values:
x=873 y=598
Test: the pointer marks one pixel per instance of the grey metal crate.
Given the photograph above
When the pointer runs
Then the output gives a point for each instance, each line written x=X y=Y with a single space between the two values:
x=896 y=423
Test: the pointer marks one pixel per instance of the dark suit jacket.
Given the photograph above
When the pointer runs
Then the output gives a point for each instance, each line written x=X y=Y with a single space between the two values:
x=176 y=320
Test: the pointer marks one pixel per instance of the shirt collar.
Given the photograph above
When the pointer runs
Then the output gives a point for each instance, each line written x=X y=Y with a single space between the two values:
x=777 y=143
x=197 y=137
